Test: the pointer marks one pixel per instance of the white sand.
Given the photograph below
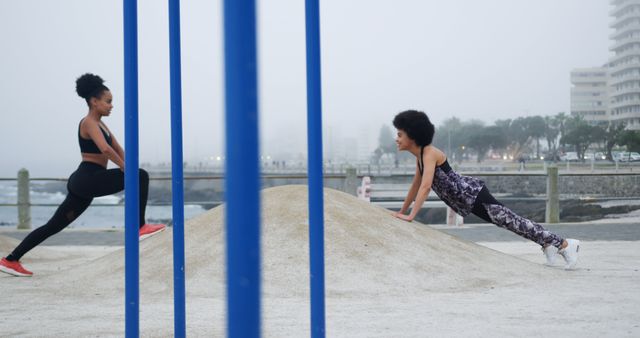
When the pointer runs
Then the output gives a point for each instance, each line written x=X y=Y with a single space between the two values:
x=384 y=278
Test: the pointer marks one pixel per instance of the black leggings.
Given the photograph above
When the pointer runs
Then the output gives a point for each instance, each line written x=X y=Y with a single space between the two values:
x=492 y=211
x=88 y=181
x=484 y=197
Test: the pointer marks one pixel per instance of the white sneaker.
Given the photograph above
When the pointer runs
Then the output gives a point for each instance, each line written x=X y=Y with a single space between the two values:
x=570 y=253
x=550 y=252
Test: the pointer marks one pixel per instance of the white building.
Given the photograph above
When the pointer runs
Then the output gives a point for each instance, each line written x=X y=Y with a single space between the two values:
x=624 y=65
x=590 y=94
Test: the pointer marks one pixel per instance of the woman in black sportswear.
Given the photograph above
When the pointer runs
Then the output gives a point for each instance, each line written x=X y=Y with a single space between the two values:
x=92 y=179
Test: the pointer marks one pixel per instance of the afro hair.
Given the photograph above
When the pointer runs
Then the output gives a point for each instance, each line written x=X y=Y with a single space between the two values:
x=417 y=126
x=89 y=85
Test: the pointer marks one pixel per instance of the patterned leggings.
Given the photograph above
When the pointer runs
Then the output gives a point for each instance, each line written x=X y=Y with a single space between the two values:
x=492 y=211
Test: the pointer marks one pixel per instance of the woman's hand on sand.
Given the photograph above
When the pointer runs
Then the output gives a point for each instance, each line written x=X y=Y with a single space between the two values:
x=399 y=212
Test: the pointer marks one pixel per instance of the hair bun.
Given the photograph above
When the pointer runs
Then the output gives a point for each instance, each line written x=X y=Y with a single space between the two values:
x=87 y=85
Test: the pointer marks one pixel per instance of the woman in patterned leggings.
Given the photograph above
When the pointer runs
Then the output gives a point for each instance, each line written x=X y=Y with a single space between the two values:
x=465 y=194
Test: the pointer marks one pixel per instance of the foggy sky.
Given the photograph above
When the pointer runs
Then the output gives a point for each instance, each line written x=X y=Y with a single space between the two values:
x=487 y=59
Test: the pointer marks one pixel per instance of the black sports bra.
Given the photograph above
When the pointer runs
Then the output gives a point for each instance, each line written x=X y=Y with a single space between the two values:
x=88 y=146
x=444 y=166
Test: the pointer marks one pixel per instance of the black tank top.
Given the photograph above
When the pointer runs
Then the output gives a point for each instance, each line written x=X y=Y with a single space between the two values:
x=444 y=166
x=457 y=191
x=88 y=146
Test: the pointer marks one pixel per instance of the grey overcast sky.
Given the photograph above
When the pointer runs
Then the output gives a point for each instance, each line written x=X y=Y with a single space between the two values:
x=482 y=59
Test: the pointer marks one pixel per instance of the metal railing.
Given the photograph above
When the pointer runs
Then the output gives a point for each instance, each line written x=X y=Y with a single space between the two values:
x=350 y=178
x=24 y=204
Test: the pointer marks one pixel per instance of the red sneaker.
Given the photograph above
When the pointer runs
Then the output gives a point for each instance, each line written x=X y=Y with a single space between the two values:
x=150 y=230
x=14 y=268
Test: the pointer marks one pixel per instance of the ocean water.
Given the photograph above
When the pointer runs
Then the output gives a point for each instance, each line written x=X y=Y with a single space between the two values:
x=97 y=215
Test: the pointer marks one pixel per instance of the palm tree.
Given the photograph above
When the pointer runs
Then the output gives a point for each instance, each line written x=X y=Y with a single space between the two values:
x=536 y=128
x=551 y=132
x=561 y=119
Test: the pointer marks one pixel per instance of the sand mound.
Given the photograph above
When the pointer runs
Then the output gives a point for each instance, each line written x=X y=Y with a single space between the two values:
x=367 y=251
x=380 y=271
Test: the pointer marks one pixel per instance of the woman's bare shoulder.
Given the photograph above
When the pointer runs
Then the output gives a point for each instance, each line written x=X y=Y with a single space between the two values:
x=434 y=152
x=85 y=124
x=88 y=122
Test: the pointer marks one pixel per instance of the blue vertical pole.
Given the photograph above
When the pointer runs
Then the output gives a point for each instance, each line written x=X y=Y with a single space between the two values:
x=177 y=175
x=132 y=193
x=314 y=141
x=242 y=170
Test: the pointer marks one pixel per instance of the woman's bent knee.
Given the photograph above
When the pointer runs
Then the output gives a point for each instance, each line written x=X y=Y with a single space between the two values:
x=144 y=175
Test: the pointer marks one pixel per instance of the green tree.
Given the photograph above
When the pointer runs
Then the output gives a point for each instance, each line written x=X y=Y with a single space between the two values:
x=612 y=137
x=551 y=132
x=581 y=135
x=450 y=137
x=463 y=137
x=561 y=120
x=517 y=134
x=630 y=139
x=446 y=136
x=502 y=127
x=536 y=128
x=481 y=139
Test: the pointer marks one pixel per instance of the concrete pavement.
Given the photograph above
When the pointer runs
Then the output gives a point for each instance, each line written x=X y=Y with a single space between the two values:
x=605 y=230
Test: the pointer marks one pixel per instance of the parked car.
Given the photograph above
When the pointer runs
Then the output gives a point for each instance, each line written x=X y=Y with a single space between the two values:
x=569 y=156
x=599 y=156
x=616 y=156
x=550 y=156
x=626 y=156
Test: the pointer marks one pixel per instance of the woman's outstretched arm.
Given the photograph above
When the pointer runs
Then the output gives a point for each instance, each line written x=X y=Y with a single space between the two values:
x=424 y=187
x=411 y=194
